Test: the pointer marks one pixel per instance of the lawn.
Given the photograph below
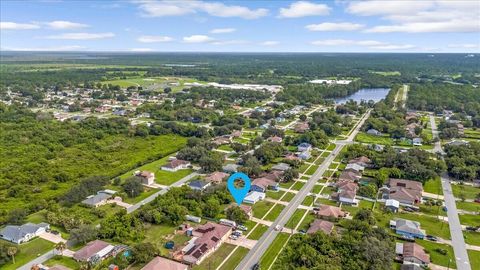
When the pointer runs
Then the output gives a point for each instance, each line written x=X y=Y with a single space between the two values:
x=286 y=184
x=316 y=189
x=225 y=147
x=29 y=251
x=274 y=249
x=295 y=218
x=312 y=170
x=372 y=139
x=257 y=232
x=298 y=185
x=161 y=177
x=308 y=201
x=288 y=196
x=275 y=212
x=215 y=259
x=468 y=206
x=433 y=186
x=235 y=258
x=435 y=256
x=472 y=238
x=470 y=220
x=474 y=257
x=61 y=260
x=468 y=191
x=276 y=195
x=432 y=210
x=309 y=218
x=260 y=208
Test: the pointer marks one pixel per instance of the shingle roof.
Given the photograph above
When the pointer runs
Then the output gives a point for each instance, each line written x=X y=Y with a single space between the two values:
x=90 y=249
x=15 y=233
x=415 y=250
x=330 y=211
x=323 y=225
x=160 y=263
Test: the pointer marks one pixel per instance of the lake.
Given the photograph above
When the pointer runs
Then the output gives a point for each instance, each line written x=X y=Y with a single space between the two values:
x=375 y=94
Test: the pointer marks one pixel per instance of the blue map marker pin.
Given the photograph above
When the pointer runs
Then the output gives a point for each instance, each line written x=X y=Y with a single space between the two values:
x=238 y=193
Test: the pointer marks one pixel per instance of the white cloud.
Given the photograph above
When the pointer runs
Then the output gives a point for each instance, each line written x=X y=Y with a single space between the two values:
x=141 y=50
x=197 y=39
x=178 y=8
x=370 y=44
x=223 y=30
x=59 y=48
x=327 y=26
x=420 y=16
x=464 y=45
x=270 y=43
x=303 y=9
x=61 y=25
x=153 y=39
x=230 y=42
x=17 y=26
x=82 y=36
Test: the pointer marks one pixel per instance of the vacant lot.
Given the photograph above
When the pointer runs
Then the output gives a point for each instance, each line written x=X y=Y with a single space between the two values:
x=28 y=251
x=269 y=256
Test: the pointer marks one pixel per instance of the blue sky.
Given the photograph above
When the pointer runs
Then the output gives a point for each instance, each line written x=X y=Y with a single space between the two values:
x=236 y=26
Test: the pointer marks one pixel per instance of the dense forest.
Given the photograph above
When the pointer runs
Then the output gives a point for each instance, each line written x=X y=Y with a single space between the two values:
x=463 y=161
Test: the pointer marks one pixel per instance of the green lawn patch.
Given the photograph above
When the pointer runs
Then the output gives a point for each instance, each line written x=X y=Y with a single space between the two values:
x=215 y=259
x=62 y=260
x=275 y=212
x=286 y=184
x=298 y=185
x=474 y=257
x=28 y=251
x=468 y=206
x=272 y=252
x=235 y=258
x=225 y=147
x=435 y=256
x=433 y=186
x=372 y=139
x=257 y=232
x=472 y=238
x=308 y=201
x=331 y=147
x=470 y=220
x=295 y=218
x=468 y=192
x=303 y=168
x=288 y=196
x=316 y=189
x=309 y=218
x=312 y=170
x=261 y=208
x=276 y=195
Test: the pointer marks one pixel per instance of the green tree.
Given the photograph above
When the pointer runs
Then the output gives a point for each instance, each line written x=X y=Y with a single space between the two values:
x=236 y=214
x=133 y=186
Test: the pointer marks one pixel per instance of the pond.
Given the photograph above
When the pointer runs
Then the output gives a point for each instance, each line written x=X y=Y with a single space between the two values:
x=375 y=94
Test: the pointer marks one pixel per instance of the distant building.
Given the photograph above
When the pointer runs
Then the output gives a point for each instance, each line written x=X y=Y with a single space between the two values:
x=412 y=253
x=393 y=205
x=24 y=233
x=216 y=177
x=407 y=228
x=281 y=167
x=301 y=127
x=355 y=167
x=99 y=199
x=417 y=141
x=330 y=212
x=93 y=252
x=148 y=178
x=374 y=132
x=305 y=155
x=231 y=168
x=304 y=147
x=175 y=165
x=320 y=225
x=275 y=139
x=362 y=161
x=262 y=184
x=160 y=263
x=405 y=191
x=253 y=197
x=199 y=185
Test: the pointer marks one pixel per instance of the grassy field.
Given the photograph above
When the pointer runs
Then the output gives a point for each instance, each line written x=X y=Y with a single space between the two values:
x=261 y=208
x=156 y=82
x=309 y=218
x=312 y=170
x=275 y=212
x=435 y=256
x=308 y=201
x=65 y=261
x=472 y=238
x=468 y=206
x=276 y=195
x=386 y=73
x=258 y=232
x=433 y=186
x=288 y=196
x=295 y=218
x=372 y=139
x=269 y=256
x=470 y=220
x=28 y=251
x=298 y=185
x=474 y=257
x=235 y=259
x=468 y=191
x=215 y=259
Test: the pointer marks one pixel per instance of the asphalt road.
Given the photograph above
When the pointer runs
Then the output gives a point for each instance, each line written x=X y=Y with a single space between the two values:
x=267 y=238
x=458 y=243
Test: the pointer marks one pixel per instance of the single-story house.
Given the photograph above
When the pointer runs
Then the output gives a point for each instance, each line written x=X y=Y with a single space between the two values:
x=410 y=266
x=230 y=168
x=24 y=233
x=208 y=238
x=99 y=199
x=175 y=165
x=301 y=127
x=330 y=212
x=374 y=132
x=94 y=251
x=304 y=147
x=393 y=205
x=148 y=178
x=412 y=253
x=281 y=167
x=216 y=177
x=407 y=228
x=417 y=141
x=160 y=263
x=305 y=155
x=275 y=139
x=262 y=184
x=405 y=191
x=320 y=225
x=362 y=161
x=349 y=176
x=199 y=185
x=355 y=167
x=253 y=197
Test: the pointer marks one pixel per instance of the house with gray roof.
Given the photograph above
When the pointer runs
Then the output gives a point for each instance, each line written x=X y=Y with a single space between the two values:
x=24 y=233
x=98 y=199
x=407 y=228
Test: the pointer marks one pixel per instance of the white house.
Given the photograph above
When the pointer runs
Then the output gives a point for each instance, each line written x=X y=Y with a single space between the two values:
x=253 y=197
x=175 y=165
x=23 y=233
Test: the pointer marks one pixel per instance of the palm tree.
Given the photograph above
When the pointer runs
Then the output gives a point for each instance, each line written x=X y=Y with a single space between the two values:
x=35 y=267
x=11 y=251
x=61 y=246
x=84 y=266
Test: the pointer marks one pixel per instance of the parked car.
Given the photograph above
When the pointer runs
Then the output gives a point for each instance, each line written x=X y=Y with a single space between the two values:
x=432 y=238
x=278 y=228
x=237 y=233
x=472 y=229
x=242 y=228
x=302 y=231
x=477 y=200
x=444 y=209
x=256 y=266
x=408 y=238
x=233 y=237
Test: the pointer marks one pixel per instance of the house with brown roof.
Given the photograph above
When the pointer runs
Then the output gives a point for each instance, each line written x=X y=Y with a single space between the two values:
x=320 y=225
x=209 y=237
x=349 y=175
x=275 y=139
x=175 y=165
x=160 y=263
x=94 y=251
x=412 y=253
x=216 y=177
x=405 y=191
x=301 y=127
x=346 y=192
x=362 y=161
x=225 y=139
x=148 y=178
x=330 y=212
x=273 y=175
x=262 y=184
